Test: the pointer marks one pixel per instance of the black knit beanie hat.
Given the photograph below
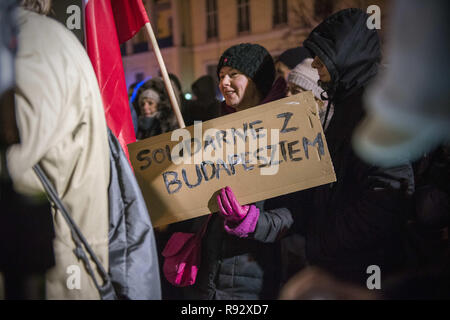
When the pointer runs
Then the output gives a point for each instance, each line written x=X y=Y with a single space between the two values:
x=252 y=60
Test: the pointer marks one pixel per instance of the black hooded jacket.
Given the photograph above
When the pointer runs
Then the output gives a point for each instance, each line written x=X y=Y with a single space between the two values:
x=357 y=221
x=350 y=51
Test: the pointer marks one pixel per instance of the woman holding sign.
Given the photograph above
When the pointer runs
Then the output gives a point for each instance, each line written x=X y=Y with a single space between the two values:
x=240 y=249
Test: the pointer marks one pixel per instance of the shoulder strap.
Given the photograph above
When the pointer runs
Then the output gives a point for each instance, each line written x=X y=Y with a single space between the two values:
x=106 y=290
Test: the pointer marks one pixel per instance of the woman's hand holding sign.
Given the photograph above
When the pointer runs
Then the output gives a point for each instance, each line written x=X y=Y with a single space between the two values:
x=229 y=207
x=239 y=220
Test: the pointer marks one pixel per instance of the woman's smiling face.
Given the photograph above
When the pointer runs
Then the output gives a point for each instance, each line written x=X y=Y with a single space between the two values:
x=148 y=107
x=233 y=85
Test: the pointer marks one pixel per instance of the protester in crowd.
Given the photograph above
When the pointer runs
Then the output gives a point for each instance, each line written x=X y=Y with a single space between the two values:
x=240 y=249
x=359 y=220
x=304 y=78
x=154 y=110
x=62 y=126
x=178 y=91
x=204 y=105
x=289 y=59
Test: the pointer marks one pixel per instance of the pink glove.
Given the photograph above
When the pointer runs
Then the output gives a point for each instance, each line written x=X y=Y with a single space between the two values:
x=229 y=207
x=239 y=220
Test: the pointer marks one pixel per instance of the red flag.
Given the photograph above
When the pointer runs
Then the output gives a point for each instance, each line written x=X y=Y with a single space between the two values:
x=129 y=16
x=102 y=19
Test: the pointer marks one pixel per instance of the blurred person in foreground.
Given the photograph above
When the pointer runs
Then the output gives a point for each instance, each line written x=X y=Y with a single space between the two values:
x=26 y=229
x=409 y=104
x=62 y=126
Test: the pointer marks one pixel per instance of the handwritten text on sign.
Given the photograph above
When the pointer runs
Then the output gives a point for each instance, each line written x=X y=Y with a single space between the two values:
x=261 y=153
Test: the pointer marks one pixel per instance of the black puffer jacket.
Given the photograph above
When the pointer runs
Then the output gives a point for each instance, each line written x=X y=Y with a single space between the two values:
x=233 y=268
x=359 y=220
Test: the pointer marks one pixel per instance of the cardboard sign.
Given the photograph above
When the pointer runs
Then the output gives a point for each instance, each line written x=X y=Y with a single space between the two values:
x=261 y=153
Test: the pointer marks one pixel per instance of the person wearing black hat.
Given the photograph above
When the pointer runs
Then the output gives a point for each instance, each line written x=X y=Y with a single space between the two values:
x=246 y=73
x=240 y=249
x=289 y=59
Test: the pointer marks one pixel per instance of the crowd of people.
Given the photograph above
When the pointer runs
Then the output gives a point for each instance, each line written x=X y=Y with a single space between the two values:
x=311 y=244
x=365 y=218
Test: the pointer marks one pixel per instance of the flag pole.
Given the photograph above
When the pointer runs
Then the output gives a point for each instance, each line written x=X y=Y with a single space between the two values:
x=165 y=75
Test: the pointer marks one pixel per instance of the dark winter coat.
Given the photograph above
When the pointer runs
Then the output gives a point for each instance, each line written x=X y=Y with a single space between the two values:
x=359 y=220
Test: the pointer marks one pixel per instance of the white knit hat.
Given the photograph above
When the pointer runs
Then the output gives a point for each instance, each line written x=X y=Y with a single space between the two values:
x=150 y=94
x=306 y=77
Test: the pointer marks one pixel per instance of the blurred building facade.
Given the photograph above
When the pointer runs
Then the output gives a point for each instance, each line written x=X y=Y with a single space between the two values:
x=193 y=33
